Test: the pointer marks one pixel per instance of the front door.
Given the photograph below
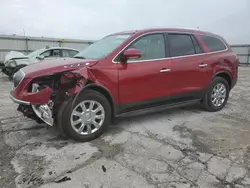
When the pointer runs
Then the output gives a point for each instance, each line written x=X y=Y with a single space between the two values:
x=143 y=82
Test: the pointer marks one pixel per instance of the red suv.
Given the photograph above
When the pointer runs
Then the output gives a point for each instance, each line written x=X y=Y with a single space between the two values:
x=127 y=73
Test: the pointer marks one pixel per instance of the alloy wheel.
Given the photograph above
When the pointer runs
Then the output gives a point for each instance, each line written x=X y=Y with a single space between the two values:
x=219 y=94
x=87 y=117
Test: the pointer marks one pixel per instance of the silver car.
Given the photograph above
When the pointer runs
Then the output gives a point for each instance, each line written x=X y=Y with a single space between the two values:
x=16 y=60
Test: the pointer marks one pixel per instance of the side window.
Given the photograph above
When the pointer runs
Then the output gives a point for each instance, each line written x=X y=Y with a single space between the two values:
x=71 y=53
x=213 y=44
x=46 y=54
x=56 y=53
x=197 y=47
x=151 y=46
x=65 y=53
x=181 y=45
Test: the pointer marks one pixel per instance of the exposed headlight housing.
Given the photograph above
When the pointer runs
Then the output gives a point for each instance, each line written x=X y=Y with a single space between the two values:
x=18 y=77
x=11 y=64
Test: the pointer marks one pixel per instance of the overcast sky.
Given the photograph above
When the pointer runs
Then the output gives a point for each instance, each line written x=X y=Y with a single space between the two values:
x=93 y=19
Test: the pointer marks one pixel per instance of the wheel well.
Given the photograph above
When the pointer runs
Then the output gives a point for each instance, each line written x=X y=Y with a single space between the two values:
x=105 y=93
x=226 y=77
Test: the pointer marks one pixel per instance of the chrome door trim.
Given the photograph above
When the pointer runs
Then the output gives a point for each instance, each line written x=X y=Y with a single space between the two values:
x=162 y=32
x=203 y=65
x=165 y=70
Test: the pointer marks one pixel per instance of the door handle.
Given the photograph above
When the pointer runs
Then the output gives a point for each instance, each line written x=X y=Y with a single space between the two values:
x=165 y=70
x=203 y=65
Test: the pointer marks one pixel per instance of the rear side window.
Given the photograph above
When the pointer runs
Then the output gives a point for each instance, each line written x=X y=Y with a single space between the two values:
x=197 y=47
x=73 y=53
x=69 y=53
x=181 y=44
x=213 y=44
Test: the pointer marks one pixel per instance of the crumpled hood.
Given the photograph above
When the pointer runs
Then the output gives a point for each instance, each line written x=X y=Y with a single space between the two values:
x=49 y=67
x=19 y=58
x=14 y=55
x=25 y=61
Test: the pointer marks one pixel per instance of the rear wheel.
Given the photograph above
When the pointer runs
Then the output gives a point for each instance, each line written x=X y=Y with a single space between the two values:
x=217 y=95
x=87 y=118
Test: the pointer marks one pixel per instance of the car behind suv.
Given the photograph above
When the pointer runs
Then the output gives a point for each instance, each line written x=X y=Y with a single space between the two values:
x=17 y=60
x=127 y=73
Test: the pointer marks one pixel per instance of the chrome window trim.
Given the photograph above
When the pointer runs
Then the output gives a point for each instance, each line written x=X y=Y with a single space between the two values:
x=21 y=79
x=220 y=40
x=155 y=32
x=162 y=32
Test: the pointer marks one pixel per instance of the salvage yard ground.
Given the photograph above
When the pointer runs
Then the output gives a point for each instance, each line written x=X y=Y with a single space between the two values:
x=178 y=148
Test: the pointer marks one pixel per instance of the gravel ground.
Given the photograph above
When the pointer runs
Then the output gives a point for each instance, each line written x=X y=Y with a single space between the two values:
x=178 y=148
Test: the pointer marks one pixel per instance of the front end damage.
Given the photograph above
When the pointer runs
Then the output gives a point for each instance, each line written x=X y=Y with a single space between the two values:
x=44 y=95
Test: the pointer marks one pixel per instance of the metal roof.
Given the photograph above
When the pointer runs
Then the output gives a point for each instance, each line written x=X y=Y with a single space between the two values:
x=194 y=31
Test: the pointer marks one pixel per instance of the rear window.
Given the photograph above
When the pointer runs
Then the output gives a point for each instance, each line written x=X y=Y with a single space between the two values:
x=213 y=44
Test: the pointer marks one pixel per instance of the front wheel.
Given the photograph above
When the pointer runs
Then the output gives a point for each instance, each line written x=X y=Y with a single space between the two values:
x=87 y=118
x=217 y=95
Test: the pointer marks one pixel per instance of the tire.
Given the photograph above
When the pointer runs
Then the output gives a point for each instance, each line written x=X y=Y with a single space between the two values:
x=86 y=98
x=59 y=116
x=207 y=101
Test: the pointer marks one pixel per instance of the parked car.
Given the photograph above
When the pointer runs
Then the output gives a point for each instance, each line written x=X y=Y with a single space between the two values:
x=124 y=74
x=16 y=60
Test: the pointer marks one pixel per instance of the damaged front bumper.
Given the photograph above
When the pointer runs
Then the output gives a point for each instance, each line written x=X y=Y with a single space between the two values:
x=15 y=100
x=2 y=65
x=43 y=110
x=6 y=70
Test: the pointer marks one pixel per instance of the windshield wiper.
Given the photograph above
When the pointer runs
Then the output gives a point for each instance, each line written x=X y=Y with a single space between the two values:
x=79 y=57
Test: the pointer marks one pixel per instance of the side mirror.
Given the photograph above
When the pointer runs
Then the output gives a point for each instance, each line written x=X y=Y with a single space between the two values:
x=131 y=53
x=40 y=57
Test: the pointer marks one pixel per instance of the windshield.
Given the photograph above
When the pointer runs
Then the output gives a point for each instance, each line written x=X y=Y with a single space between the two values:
x=103 y=47
x=36 y=53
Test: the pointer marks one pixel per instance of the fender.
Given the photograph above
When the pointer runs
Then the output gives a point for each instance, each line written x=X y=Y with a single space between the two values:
x=82 y=76
x=87 y=80
x=228 y=77
x=102 y=90
x=222 y=67
x=224 y=72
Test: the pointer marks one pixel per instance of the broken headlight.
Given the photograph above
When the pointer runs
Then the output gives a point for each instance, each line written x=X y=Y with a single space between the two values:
x=11 y=64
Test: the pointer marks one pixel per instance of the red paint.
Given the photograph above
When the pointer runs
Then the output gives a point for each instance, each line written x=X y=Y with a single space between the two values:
x=142 y=81
x=21 y=93
x=49 y=67
x=133 y=82
x=41 y=97
x=132 y=53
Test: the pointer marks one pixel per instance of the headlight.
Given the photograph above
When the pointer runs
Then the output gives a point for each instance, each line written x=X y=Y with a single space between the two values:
x=11 y=64
x=18 y=77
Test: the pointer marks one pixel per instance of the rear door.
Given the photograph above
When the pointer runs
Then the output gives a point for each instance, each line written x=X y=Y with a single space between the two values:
x=142 y=82
x=189 y=68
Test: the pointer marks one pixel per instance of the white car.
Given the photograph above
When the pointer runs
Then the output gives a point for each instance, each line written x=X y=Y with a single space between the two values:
x=16 y=60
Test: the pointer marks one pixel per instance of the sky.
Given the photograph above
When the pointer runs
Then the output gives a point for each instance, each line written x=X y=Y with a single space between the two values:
x=93 y=19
